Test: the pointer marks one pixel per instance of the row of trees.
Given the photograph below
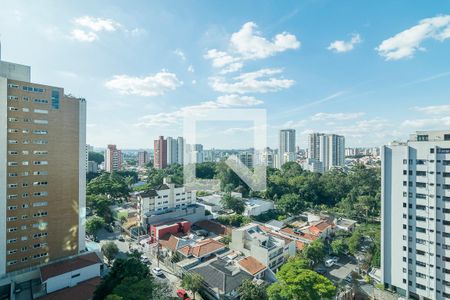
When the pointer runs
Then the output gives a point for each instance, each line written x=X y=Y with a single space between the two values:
x=354 y=193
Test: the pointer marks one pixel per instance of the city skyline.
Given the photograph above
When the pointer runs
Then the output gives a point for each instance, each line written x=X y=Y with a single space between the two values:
x=301 y=67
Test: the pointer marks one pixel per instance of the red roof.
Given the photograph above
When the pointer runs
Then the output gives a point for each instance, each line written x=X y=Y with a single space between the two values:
x=169 y=241
x=302 y=234
x=202 y=248
x=82 y=291
x=69 y=265
x=252 y=265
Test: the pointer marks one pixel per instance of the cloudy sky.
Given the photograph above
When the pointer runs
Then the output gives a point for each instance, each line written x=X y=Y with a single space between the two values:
x=373 y=71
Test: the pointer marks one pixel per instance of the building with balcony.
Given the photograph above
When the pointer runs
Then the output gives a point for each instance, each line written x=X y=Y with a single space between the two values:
x=415 y=248
x=267 y=247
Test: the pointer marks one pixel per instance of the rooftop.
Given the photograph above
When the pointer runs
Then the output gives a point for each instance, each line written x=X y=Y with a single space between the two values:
x=65 y=266
x=252 y=265
x=82 y=291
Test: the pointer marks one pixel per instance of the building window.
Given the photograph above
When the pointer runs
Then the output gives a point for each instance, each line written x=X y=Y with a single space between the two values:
x=55 y=99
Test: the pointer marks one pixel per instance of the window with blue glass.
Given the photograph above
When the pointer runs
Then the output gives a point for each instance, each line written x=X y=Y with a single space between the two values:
x=55 y=99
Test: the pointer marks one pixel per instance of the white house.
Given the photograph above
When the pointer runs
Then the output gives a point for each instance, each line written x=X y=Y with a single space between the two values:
x=69 y=273
x=256 y=206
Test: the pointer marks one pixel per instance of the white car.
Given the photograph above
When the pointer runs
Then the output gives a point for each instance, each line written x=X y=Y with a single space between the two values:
x=329 y=262
x=157 y=271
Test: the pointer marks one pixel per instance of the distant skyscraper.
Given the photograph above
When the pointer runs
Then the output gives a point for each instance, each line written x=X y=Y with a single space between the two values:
x=180 y=143
x=329 y=149
x=415 y=231
x=42 y=174
x=172 y=150
x=113 y=159
x=194 y=153
x=143 y=158
x=287 y=146
x=160 y=153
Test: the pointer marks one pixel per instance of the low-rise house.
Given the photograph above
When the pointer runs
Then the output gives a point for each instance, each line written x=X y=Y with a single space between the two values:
x=257 y=206
x=221 y=278
x=214 y=227
x=345 y=224
x=299 y=235
x=258 y=241
x=69 y=273
x=253 y=267
x=275 y=225
x=202 y=249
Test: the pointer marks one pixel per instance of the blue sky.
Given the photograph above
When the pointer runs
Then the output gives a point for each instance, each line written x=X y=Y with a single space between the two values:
x=373 y=71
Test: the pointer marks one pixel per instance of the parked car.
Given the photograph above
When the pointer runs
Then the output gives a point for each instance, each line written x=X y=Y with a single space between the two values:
x=96 y=239
x=182 y=294
x=329 y=262
x=321 y=271
x=145 y=259
x=349 y=278
x=157 y=271
x=121 y=238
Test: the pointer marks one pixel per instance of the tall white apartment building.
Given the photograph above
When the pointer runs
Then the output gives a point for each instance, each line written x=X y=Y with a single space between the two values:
x=247 y=158
x=287 y=146
x=180 y=152
x=415 y=245
x=329 y=149
x=175 y=150
x=162 y=198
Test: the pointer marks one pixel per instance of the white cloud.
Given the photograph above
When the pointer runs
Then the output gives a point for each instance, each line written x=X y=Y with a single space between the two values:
x=433 y=123
x=191 y=69
x=261 y=81
x=406 y=43
x=176 y=117
x=337 y=116
x=180 y=54
x=249 y=43
x=294 y=124
x=433 y=109
x=97 y=24
x=152 y=85
x=83 y=36
x=224 y=61
x=194 y=81
x=345 y=46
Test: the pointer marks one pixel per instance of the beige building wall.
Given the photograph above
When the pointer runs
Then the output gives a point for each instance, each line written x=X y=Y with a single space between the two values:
x=46 y=154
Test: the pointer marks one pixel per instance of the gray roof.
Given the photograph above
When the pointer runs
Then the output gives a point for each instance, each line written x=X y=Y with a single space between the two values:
x=275 y=223
x=219 y=275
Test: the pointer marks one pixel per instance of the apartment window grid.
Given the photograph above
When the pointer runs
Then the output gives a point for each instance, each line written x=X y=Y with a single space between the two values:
x=28 y=125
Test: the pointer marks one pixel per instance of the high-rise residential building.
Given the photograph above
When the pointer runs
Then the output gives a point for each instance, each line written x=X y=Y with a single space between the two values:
x=287 y=146
x=143 y=158
x=328 y=149
x=180 y=143
x=160 y=153
x=415 y=212
x=194 y=153
x=247 y=158
x=113 y=159
x=89 y=148
x=42 y=172
x=172 y=150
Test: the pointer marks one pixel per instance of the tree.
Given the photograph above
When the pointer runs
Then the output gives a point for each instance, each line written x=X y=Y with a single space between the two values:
x=250 y=291
x=192 y=282
x=133 y=288
x=235 y=204
x=314 y=251
x=291 y=204
x=296 y=283
x=176 y=257
x=112 y=185
x=101 y=204
x=95 y=156
x=110 y=251
x=121 y=269
x=339 y=246
x=94 y=224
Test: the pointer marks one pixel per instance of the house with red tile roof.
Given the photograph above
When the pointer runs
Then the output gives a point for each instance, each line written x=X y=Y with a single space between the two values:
x=202 y=249
x=253 y=266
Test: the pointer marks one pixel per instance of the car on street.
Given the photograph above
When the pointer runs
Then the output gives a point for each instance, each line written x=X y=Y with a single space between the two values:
x=321 y=271
x=182 y=294
x=145 y=260
x=157 y=271
x=329 y=262
x=349 y=278
x=121 y=238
